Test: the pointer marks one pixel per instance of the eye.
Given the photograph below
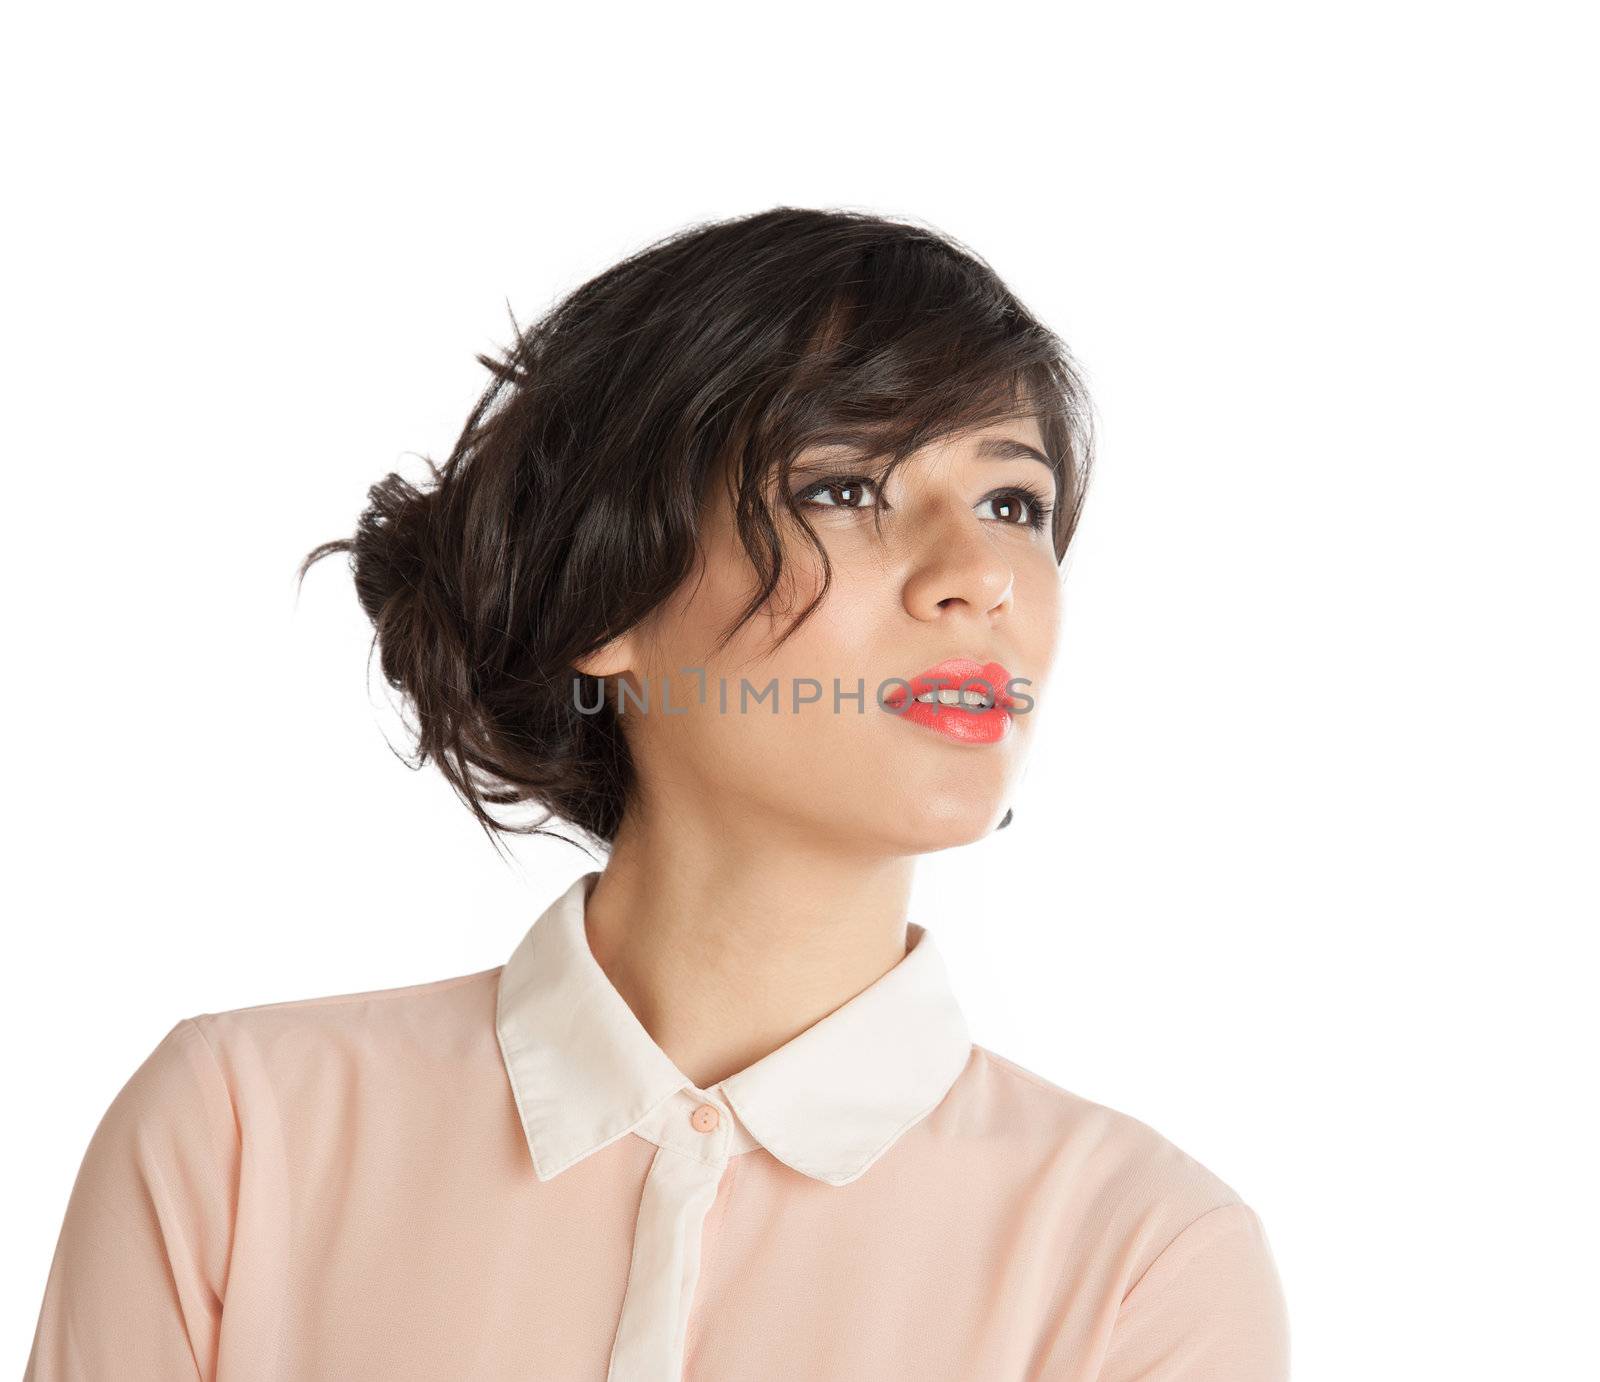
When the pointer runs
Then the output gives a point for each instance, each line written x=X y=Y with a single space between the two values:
x=1034 y=508
x=1018 y=506
x=841 y=491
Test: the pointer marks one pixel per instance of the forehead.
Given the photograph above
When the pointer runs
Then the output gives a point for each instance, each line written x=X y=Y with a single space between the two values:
x=1013 y=439
x=1018 y=439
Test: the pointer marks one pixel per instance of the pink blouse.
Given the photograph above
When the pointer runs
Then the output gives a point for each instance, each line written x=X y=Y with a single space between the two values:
x=501 y=1175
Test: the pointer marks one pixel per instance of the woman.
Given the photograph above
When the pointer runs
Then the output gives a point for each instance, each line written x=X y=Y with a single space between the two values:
x=746 y=569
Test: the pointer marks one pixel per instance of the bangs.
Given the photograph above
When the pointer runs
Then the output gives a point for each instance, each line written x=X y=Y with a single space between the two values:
x=917 y=341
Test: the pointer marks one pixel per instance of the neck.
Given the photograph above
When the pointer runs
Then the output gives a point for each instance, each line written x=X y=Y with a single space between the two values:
x=726 y=946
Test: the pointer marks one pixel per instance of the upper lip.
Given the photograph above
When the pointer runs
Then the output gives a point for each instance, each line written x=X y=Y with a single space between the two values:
x=951 y=674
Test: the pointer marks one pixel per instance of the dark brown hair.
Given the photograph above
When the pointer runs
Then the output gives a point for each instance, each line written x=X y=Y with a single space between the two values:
x=569 y=508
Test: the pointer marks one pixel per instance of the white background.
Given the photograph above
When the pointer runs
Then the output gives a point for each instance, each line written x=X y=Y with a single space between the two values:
x=1303 y=872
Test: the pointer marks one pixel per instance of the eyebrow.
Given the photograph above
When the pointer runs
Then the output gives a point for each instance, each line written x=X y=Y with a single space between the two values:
x=989 y=448
x=1009 y=449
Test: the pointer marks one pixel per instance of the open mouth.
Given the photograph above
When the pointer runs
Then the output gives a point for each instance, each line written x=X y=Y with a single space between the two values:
x=962 y=682
x=975 y=700
x=962 y=699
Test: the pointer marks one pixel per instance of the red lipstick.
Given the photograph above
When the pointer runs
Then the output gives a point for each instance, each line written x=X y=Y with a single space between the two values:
x=963 y=723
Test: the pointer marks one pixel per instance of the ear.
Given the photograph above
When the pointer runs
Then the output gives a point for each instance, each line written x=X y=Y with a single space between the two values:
x=610 y=660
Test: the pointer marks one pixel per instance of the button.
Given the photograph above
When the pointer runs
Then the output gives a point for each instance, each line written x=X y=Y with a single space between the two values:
x=705 y=1118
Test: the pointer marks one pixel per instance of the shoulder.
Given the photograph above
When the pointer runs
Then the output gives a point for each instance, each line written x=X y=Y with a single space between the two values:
x=1121 y=1159
x=1191 y=1272
x=221 y=1063
x=416 y=1028
x=409 y=1007
x=1115 y=1170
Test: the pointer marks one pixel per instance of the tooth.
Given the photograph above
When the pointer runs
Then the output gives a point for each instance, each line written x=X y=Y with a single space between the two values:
x=969 y=698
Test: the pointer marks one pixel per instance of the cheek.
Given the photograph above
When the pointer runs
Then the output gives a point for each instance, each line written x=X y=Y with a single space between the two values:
x=733 y=738
x=1036 y=616
x=831 y=642
x=830 y=649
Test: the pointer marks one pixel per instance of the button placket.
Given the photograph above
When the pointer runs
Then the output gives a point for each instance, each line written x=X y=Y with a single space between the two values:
x=692 y=1136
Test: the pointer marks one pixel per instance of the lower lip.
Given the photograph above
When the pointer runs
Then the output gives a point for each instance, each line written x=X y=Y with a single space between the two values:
x=963 y=724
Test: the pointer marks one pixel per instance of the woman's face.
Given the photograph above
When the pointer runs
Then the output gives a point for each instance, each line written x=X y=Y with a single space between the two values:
x=755 y=737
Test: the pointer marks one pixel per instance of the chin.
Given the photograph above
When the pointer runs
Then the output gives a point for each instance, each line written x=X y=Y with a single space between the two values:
x=927 y=824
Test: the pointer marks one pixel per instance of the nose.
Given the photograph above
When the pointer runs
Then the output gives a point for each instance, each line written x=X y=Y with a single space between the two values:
x=958 y=566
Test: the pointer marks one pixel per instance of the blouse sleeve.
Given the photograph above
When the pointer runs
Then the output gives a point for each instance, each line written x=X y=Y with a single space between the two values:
x=135 y=1288
x=1210 y=1308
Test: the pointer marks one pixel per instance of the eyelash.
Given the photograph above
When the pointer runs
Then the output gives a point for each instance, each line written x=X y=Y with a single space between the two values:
x=1039 y=506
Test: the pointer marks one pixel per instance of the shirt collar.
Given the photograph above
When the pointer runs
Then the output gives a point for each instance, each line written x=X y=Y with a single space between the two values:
x=828 y=1103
